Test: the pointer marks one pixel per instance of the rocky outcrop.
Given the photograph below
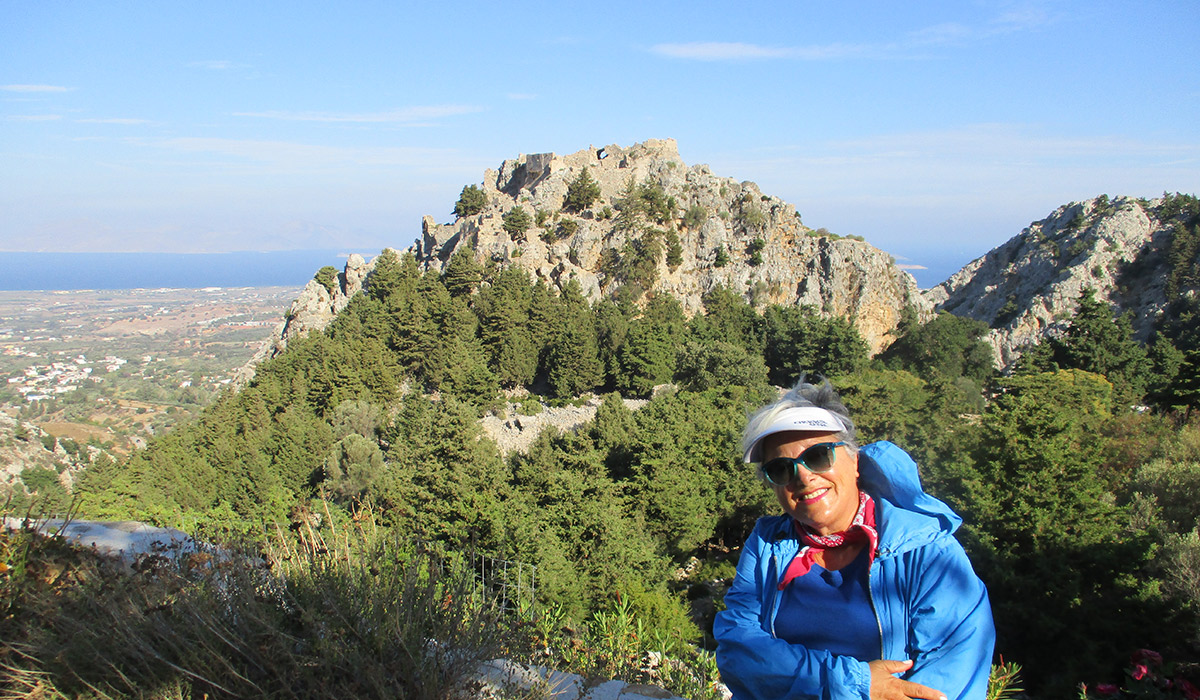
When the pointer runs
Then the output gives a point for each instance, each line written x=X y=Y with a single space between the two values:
x=312 y=310
x=1029 y=286
x=515 y=431
x=729 y=234
x=24 y=445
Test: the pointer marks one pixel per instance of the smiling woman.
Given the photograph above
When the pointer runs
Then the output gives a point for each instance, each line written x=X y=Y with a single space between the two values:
x=859 y=590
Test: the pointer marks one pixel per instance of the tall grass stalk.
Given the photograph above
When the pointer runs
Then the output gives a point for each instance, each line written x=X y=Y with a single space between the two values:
x=355 y=612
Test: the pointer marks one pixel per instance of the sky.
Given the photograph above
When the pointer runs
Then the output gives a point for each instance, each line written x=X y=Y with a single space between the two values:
x=932 y=129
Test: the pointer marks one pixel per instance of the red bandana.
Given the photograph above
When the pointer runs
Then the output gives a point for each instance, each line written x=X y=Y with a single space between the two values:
x=862 y=529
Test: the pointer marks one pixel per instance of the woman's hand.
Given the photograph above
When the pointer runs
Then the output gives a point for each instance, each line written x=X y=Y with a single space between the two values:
x=886 y=686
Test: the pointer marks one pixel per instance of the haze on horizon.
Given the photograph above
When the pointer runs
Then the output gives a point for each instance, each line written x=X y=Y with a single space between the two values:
x=932 y=128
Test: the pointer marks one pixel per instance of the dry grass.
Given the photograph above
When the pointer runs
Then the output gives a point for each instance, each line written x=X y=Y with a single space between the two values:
x=351 y=614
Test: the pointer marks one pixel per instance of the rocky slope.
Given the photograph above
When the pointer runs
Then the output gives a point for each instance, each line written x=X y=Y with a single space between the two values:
x=1029 y=286
x=24 y=446
x=729 y=233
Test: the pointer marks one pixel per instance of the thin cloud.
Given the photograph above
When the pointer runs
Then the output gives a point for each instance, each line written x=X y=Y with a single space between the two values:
x=908 y=45
x=212 y=65
x=941 y=34
x=721 y=51
x=1022 y=19
x=521 y=96
x=34 y=117
x=984 y=165
x=414 y=116
x=294 y=157
x=115 y=120
x=35 y=88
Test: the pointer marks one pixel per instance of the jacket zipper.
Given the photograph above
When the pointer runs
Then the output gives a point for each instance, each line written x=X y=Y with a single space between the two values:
x=774 y=602
x=875 y=610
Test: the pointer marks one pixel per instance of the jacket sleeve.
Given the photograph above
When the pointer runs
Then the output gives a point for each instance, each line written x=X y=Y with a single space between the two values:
x=757 y=666
x=951 y=634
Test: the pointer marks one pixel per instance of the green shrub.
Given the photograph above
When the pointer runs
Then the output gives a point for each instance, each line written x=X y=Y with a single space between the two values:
x=674 y=250
x=516 y=222
x=529 y=405
x=695 y=216
x=327 y=277
x=722 y=258
x=1079 y=246
x=643 y=204
x=470 y=202
x=565 y=229
x=754 y=250
x=614 y=642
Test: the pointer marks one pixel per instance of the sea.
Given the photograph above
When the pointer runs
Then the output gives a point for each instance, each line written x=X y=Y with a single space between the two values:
x=286 y=268
x=73 y=271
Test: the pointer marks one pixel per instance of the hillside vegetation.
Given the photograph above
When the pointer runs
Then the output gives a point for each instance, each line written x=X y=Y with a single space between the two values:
x=1078 y=475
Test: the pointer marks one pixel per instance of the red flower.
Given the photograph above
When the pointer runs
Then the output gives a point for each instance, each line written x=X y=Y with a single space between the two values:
x=1190 y=691
x=1146 y=656
x=1107 y=689
x=1139 y=672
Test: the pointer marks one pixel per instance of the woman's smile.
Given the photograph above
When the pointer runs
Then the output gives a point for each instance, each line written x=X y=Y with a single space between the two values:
x=813 y=495
x=824 y=501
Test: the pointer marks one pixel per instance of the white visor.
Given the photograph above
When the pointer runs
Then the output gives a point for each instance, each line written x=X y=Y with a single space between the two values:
x=806 y=419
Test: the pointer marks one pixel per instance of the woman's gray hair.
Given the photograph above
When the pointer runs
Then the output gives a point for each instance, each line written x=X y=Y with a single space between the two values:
x=802 y=394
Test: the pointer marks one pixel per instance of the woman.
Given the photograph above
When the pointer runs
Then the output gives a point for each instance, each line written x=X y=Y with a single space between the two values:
x=859 y=590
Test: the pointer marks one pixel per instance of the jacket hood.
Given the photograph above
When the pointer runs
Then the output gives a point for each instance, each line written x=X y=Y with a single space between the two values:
x=909 y=517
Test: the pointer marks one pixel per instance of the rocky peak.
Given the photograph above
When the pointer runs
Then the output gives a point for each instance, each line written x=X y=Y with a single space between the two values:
x=657 y=226
x=1029 y=286
x=723 y=232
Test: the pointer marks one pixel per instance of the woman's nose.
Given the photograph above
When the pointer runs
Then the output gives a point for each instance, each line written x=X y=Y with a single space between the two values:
x=803 y=478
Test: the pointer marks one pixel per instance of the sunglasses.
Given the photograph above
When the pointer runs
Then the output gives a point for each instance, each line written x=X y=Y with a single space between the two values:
x=818 y=459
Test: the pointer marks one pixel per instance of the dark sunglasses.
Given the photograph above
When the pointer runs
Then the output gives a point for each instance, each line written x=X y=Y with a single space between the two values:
x=818 y=459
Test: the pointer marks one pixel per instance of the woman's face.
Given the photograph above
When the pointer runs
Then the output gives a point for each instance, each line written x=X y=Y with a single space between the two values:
x=825 y=502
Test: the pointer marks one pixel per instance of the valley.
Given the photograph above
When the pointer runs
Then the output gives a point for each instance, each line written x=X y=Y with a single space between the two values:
x=110 y=367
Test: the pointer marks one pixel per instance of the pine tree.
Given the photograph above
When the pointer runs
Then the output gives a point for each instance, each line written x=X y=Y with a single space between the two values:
x=463 y=272
x=948 y=345
x=504 y=328
x=470 y=202
x=581 y=192
x=1096 y=342
x=1039 y=511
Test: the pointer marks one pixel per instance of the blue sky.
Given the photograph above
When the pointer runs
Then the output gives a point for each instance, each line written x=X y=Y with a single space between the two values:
x=930 y=128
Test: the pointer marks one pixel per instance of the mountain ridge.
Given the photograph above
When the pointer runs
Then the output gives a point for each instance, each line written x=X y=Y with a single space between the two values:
x=1028 y=287
x=728 y=233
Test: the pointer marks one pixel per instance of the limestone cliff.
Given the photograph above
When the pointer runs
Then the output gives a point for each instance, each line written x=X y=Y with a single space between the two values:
x=1029 y=286
x=729 y=233
x=313 y=309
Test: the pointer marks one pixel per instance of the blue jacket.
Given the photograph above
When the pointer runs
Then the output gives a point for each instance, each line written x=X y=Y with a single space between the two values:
x=931 y=606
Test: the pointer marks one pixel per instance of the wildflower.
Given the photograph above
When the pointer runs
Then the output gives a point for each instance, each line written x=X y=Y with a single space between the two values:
x=1139 y=671
x=1107 y=689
